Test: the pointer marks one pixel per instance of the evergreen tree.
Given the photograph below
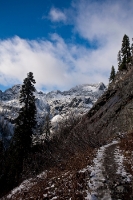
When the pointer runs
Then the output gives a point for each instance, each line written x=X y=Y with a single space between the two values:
x=125 y=53
x=47 y=126
x=112 y=74
x=132 y=50
x=2 y=161
x=25 y=122
x=119 y=60
x=1 y=155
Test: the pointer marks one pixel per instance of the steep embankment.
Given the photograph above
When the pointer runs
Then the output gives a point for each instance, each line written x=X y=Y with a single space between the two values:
x=112 y=113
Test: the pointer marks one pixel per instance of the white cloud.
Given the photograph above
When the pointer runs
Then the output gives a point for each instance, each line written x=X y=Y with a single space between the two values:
x=57 y=15
x=103 y=23
x=54 y=64
x=57 y=64
x=103 y=19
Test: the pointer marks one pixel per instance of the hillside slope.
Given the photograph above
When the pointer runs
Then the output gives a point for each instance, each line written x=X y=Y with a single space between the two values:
x=105 y=177
x=113 y=112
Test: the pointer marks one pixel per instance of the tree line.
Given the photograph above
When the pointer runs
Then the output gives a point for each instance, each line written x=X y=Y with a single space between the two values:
x=124 y=57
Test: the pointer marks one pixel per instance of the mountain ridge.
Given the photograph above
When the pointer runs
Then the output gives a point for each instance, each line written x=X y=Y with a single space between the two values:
x=78 y=99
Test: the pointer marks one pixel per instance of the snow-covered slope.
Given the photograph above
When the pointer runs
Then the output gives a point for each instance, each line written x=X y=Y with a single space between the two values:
x=58 y=104
x=80 y=98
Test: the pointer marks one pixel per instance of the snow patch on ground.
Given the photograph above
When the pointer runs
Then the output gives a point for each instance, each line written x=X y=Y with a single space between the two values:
x=119 y=159
x=97 y=178
x=56 y=118
x=26 y=185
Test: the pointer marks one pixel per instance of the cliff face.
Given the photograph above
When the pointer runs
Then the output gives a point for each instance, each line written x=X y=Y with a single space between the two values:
x=112 y=114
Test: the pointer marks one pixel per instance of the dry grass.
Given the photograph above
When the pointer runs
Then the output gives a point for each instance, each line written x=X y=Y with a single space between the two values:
x=63 y=182
x=126 y=145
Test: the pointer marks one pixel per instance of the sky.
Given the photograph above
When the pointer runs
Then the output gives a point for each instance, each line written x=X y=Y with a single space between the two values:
x=64 y=43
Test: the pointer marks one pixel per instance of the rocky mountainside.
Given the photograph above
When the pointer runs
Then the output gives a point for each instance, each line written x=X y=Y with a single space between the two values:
x=58 y=104
x=113 y=112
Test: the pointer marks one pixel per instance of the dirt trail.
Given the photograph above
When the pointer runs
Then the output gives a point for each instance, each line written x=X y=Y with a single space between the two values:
x=118 y=184
x=108 y=179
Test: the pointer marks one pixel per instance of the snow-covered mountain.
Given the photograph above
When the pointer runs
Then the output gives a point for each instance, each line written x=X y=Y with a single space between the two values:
x=58 y=104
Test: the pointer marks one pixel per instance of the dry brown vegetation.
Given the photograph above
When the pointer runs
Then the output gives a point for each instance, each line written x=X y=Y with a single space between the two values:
x=62 y=158
x=126 y=145
x=63 y=182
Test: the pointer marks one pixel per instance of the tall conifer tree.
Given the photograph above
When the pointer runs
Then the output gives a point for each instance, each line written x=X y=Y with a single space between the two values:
x=132 y=50
x=125 y=53
x=112 y=74
x=119 y=60
x=21 y=140
x=26 y=120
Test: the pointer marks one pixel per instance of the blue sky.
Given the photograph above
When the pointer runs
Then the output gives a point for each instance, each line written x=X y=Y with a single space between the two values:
x=64 y=43
x=27 y=18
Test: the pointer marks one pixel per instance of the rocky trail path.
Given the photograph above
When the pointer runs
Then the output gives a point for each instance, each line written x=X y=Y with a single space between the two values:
x=118 y=180
x=108 y=179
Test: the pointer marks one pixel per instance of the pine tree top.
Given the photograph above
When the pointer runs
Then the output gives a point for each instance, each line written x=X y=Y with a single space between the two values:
x=112 y=74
